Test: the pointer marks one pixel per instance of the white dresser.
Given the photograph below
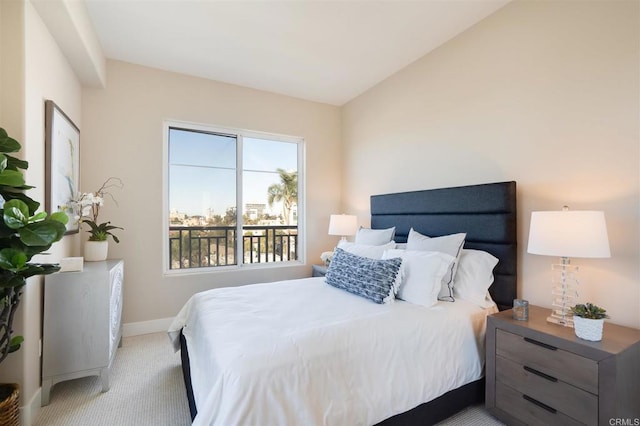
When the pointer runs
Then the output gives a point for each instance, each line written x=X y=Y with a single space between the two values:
x=81 y=323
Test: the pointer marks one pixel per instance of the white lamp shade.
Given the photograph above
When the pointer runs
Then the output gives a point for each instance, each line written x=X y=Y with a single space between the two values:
x=569 y=233
x=343 y=224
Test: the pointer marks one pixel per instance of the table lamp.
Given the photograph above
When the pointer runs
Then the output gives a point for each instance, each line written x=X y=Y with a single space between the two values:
x=343 y=225
x=567 y=233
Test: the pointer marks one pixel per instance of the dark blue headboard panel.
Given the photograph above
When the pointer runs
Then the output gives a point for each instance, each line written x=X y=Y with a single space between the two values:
x=487 y=213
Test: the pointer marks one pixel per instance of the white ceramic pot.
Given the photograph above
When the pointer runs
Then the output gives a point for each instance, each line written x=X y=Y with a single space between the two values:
x=95 y=251
x=588 y=329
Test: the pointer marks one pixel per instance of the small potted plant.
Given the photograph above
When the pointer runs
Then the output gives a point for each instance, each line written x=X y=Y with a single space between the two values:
x=588 y=320
x=88 y=207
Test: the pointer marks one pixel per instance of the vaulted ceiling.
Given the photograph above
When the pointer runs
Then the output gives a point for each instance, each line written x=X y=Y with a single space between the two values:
x=325 y=51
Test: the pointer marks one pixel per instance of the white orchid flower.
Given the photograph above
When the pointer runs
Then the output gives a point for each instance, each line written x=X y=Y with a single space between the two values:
x=326 y=257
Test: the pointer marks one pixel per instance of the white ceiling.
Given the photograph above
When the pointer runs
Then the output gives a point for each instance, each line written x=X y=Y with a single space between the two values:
x=325 y=51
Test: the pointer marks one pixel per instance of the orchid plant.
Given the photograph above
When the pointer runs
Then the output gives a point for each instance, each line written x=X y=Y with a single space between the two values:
x=86 y=207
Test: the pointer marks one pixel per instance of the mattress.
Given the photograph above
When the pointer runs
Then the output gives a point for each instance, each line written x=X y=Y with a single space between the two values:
x=303 y=352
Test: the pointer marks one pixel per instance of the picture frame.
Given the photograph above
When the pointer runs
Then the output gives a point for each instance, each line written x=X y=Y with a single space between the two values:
x=62 y=163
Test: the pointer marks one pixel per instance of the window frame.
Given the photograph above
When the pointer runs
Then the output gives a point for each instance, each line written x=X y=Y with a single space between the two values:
x=239 y=134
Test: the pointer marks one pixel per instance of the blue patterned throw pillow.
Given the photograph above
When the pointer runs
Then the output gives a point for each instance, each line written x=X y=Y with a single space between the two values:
x=376 y=280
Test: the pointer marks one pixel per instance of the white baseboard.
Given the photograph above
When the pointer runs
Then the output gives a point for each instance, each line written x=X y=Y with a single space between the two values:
x=29 y=412
x=146 y=327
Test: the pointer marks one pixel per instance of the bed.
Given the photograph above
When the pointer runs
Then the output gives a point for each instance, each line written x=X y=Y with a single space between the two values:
x=319 y=345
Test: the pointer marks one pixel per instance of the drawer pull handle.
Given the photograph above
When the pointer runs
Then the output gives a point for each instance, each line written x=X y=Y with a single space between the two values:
x=540 y=373
x=539 y=404
x=544 y=345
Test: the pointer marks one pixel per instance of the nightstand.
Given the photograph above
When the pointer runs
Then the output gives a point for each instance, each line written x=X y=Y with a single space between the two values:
x=319 y=270
x=541 y=373
x=81 y=324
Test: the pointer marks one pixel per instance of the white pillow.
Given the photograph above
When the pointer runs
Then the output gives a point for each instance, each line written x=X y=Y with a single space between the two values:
x=375 y=237
x=422 y=273
x=366 y=250
x=449 y=244
x=474 y=276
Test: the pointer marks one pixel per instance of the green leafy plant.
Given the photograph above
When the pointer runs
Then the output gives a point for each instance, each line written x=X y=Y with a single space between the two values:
x=590 y=311
x=24 y=233
x=88 y=205
x=100 y=232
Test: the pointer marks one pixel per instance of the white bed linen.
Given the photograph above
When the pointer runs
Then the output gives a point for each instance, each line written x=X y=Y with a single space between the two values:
x=302 y=352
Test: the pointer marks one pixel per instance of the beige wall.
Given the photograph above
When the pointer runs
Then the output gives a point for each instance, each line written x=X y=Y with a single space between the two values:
x=48 y=75
x=32 y=70
x=543 y=93
x=122 y=136
x=11 y=67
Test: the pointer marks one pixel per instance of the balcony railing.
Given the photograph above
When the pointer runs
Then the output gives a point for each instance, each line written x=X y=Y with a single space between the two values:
x=207 y=246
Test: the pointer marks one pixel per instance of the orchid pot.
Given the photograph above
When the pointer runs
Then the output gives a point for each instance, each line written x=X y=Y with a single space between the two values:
x=95 y=251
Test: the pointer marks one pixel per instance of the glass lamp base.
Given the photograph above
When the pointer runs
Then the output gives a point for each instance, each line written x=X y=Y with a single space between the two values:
x=565 y=293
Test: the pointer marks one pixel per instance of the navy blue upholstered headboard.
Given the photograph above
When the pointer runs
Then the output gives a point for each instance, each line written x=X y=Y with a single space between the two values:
x=487 y=213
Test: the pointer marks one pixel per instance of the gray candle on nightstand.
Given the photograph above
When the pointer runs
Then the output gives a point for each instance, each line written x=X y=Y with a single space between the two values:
x=520 y=309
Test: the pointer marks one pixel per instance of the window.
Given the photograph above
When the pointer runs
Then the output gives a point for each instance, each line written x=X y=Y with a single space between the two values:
x=234 y=198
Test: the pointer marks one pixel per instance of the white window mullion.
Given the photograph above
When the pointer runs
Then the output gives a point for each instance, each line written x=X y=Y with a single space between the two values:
x=239 y=198
x=302 y=202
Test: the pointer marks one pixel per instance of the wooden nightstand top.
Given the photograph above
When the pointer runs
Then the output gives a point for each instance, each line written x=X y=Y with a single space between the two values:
x=615 y=338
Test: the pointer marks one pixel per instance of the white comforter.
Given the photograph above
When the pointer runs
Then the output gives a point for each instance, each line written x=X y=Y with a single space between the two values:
x=302 y=352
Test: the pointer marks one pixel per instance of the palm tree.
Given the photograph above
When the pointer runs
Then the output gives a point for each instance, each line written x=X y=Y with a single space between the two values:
x=286 y=192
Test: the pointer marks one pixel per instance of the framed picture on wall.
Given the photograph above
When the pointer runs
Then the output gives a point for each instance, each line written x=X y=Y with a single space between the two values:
x=62 y=162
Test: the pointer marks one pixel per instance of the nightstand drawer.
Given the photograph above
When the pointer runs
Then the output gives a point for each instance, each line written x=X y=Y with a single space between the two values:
x=528 y=409
x=569 y=400
x=566 y=366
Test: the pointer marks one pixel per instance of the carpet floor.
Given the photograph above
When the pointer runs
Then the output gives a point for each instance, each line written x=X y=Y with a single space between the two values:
x=147 y=389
